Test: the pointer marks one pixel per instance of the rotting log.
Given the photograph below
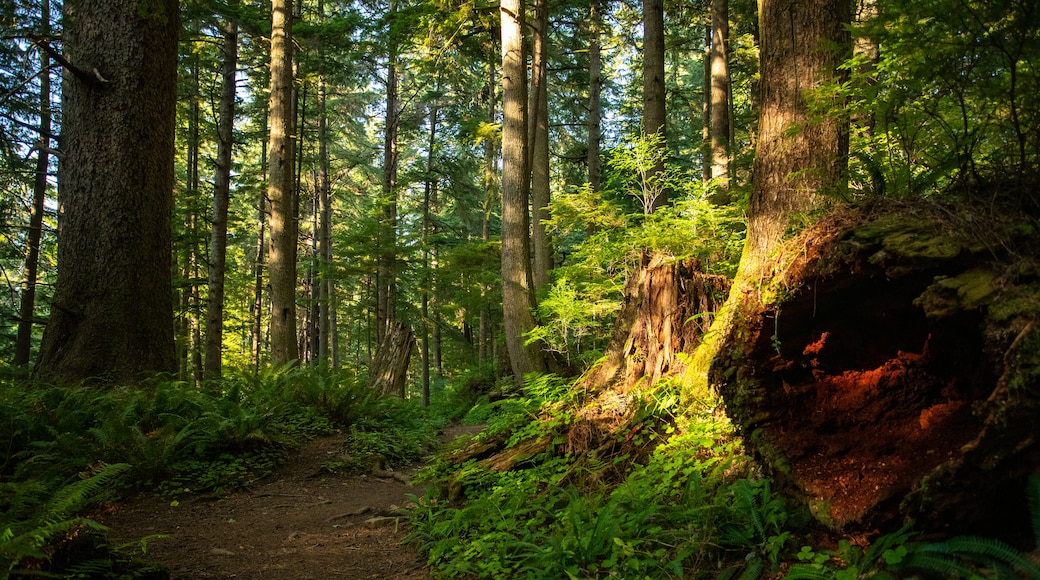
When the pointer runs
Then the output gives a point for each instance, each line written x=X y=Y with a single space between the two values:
x=389 y=367
x=889 y=369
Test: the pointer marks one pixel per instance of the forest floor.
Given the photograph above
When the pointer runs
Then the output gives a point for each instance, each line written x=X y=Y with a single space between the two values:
x=302 y=522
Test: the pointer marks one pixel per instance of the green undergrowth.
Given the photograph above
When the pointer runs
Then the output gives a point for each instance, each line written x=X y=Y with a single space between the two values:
x=683 y=502
x=65 y=451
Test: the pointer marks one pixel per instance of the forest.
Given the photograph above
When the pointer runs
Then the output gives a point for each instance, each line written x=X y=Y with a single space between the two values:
x=721 y=288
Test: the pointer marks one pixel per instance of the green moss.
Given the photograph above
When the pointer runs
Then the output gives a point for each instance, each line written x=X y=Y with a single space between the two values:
x=821 y=510
x=967 y=291
x=1022 y=300
x=1024 y=372
x=912 y=237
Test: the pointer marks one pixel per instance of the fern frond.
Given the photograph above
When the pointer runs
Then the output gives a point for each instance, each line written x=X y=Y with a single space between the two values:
x=809 y=572
x=1033 y=499
x=936 y=559
x=994 y=552
x=751 y=505
x=753 y=570
x=71 y=497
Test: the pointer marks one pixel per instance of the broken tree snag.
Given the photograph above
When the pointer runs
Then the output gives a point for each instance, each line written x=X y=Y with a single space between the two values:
x=889 y=369
x=390 y=363
x=669 y=304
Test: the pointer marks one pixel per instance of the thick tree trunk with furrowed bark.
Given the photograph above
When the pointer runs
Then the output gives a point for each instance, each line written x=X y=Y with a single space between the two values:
x=112 y=317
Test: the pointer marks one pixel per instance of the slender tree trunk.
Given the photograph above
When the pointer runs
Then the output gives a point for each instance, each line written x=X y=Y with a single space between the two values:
x=386 y=289
x=304 y=327
x=428 y=193
x=281 y=155
x=112 y=318
x=490 y=183
x=538 y=143
x=256 y=306
x=27 y=310
x=653 y=81
x=192 y=268
x=517 y=296
x=326 y=286
x=720 y=91
x=706 y=110
x=595 y=94
x=221 y=199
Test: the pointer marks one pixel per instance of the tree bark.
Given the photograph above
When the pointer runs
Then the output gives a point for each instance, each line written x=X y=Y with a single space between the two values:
x=429 y=192
x=517 y=296
x=668 y=307
x=595 y=93
x=653 y=82
x=326 y=288
x=27 y=306
x=386 y=290
x=797 y=160
x=706 y=110
x=389 y=367
x=112 y=317
x=221 y=200
x=491 y=186
x=281 y=262
x=720 y=91
x=538 y=129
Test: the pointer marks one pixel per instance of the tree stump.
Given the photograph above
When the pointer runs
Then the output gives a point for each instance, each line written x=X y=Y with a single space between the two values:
x=389 y=367
x=889 y=370
x=669 y=304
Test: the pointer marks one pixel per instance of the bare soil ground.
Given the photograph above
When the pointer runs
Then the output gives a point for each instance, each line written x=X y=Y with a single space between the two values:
x=303 y=522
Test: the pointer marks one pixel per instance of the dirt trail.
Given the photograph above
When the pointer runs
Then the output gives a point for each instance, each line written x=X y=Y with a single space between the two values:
x=303 y=522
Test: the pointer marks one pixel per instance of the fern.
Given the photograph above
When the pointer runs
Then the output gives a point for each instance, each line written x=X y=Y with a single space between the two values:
x=809 y=572
x=992 y=551
x=36 y=524
x=1033 y=499
x=936 y=559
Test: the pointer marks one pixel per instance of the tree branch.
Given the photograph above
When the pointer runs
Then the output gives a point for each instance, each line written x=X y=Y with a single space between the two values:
x=92 y=77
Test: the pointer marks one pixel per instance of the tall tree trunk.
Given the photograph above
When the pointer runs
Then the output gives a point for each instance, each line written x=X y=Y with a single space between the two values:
x=221 y=199
x=256 y=306
x=281 y=156
x=387 y=276
x=428 y=194
x=517 y=296
x=490 y=185
x=595 y=94
x=793 y=169
x=706 y=110
x=720 y=91
x=538 y=143
x=325 y=284
x=27 y=307
x=112 y=317
x=192 y=268
x=653 y=82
